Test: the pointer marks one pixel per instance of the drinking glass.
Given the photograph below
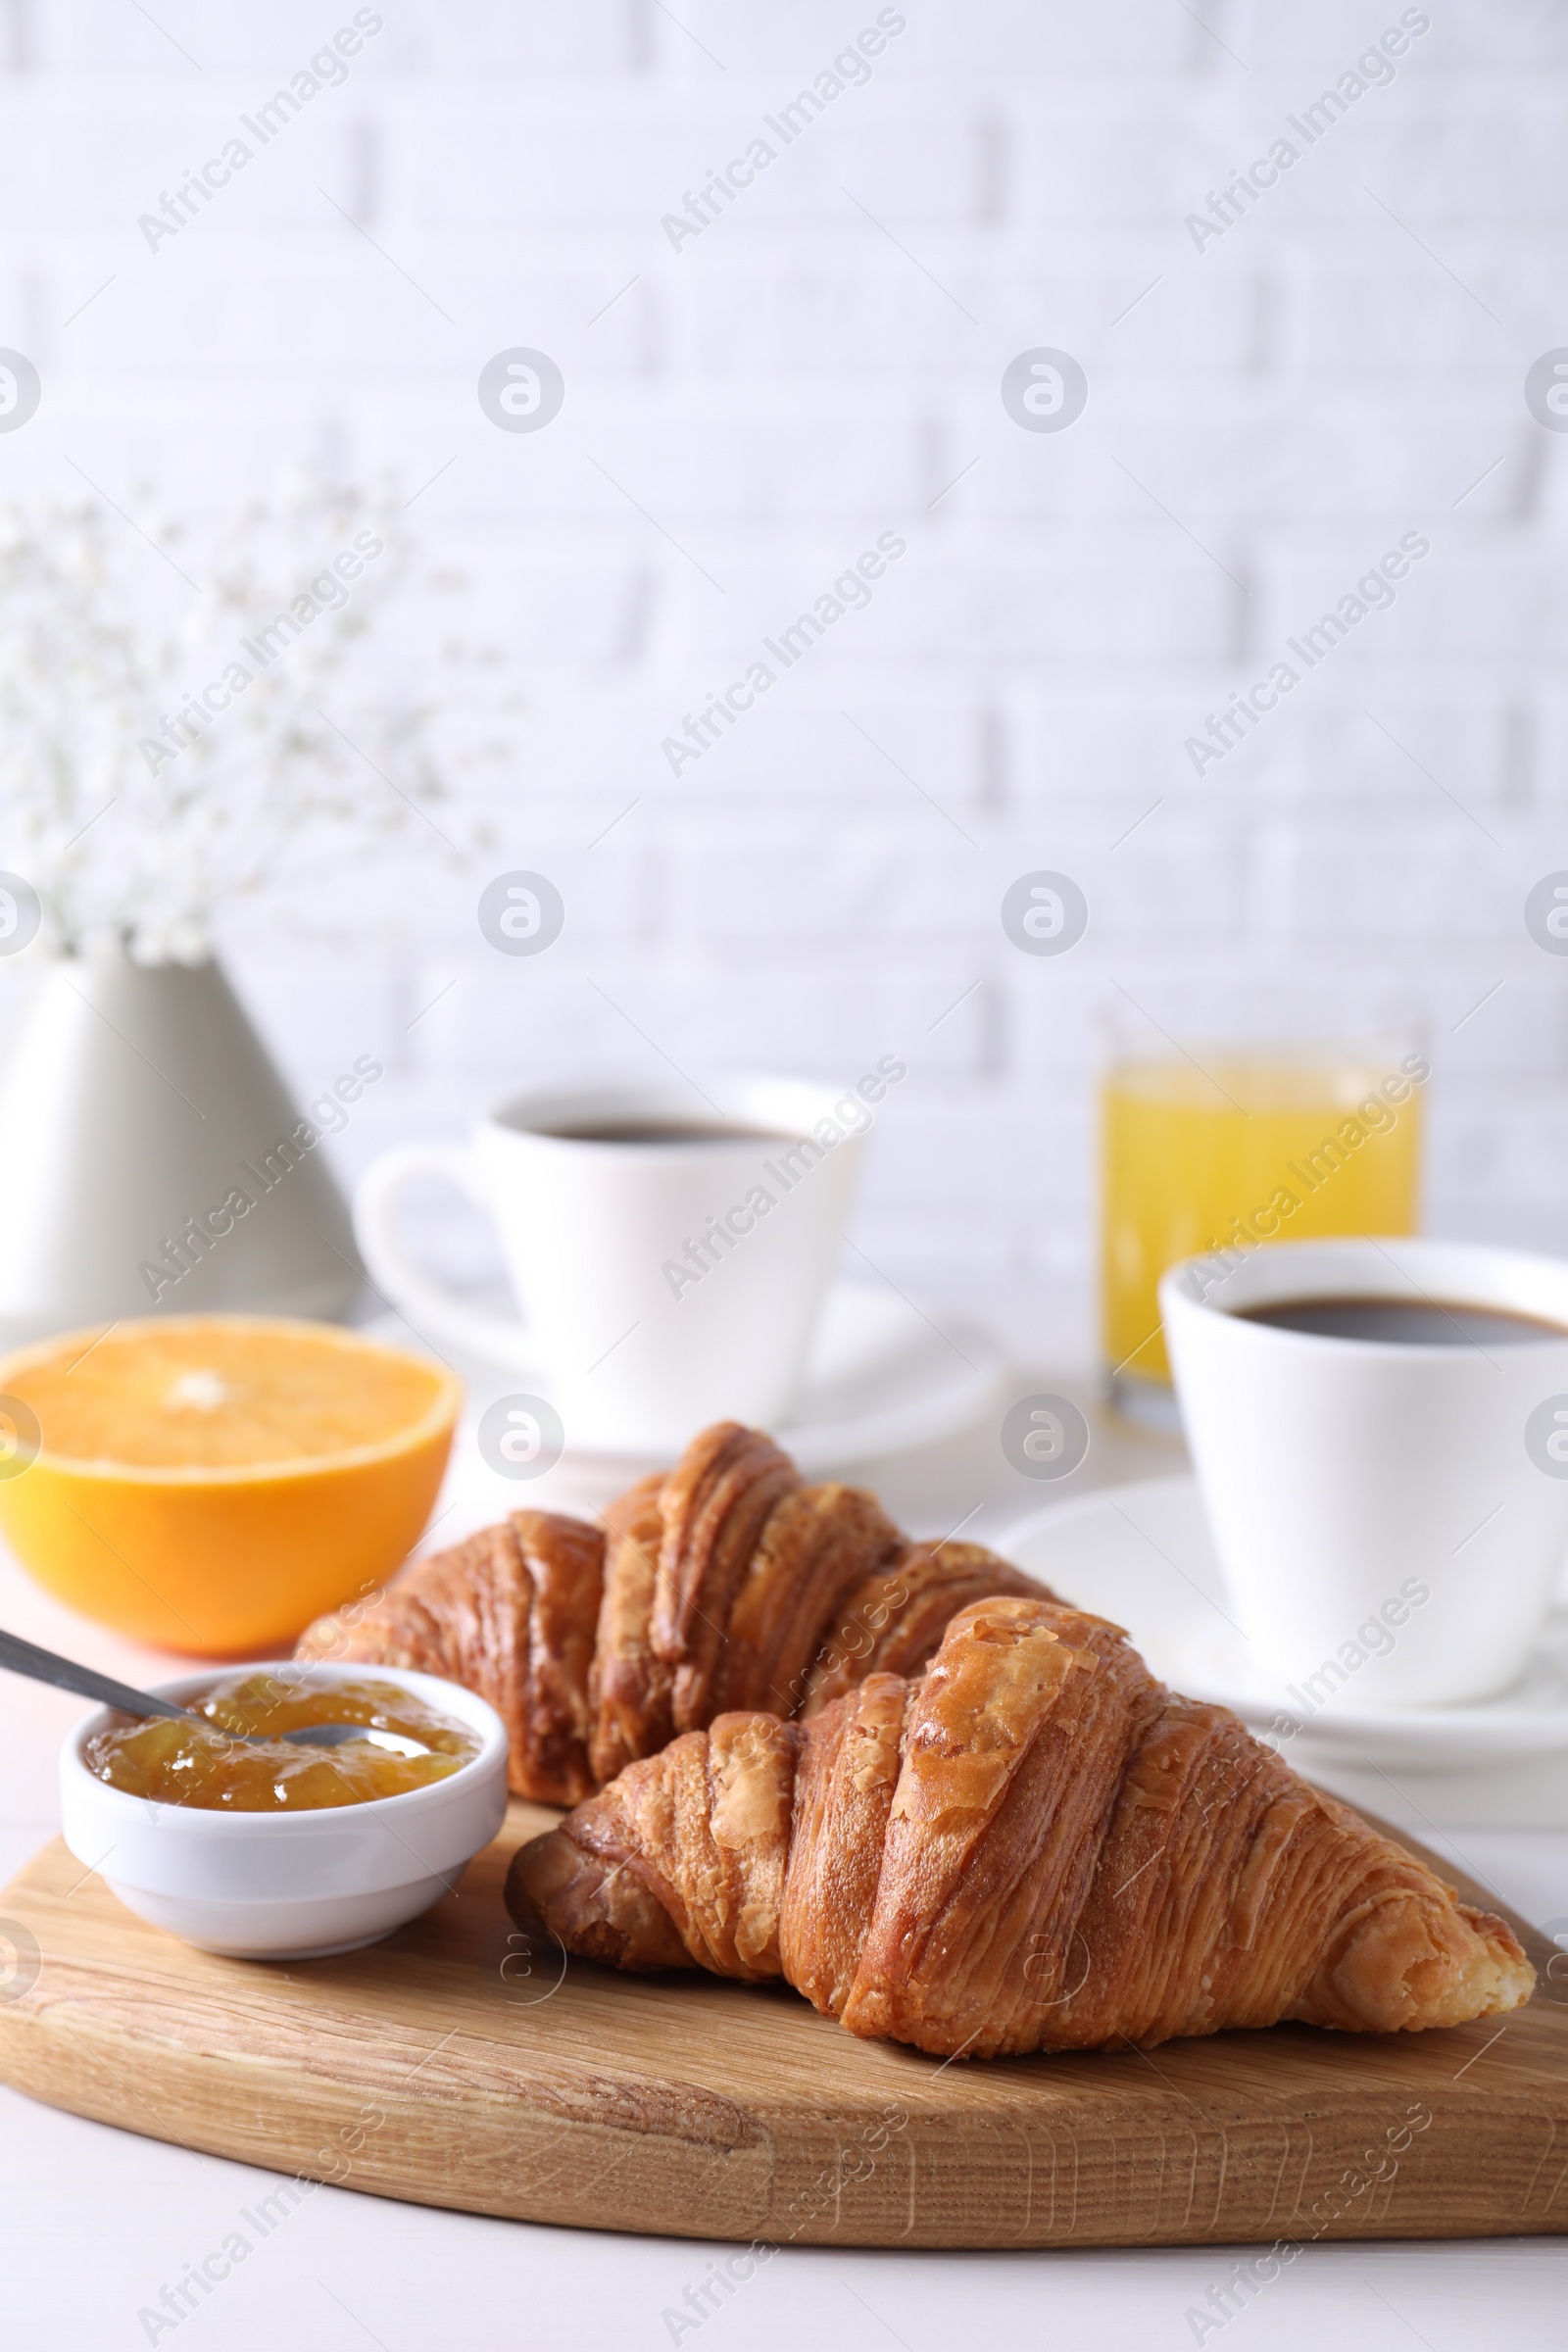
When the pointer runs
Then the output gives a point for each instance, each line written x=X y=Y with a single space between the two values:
x=1227 y=1146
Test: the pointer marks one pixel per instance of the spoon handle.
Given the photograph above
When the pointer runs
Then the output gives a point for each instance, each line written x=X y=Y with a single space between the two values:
x=42 y=1666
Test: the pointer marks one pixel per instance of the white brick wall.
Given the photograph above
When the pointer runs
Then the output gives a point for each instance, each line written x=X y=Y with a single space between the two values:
x=820 y=367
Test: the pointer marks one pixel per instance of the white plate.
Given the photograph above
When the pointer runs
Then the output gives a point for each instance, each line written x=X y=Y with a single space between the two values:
x=1142 y=1556
x=883 y=1379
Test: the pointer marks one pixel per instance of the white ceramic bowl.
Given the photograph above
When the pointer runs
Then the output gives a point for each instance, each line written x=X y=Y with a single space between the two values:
x=290 y=1885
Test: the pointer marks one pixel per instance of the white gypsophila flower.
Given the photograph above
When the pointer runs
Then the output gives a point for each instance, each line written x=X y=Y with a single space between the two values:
x=177 y=739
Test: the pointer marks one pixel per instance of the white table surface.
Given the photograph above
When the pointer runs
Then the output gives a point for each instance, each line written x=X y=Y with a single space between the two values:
x=97 y=2222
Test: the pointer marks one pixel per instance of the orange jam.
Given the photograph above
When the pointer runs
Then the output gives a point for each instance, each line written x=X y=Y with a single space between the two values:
x=179 y=1763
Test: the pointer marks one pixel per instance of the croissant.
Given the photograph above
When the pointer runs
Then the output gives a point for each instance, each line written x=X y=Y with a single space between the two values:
x=727 y=1583
x=1037 y=1846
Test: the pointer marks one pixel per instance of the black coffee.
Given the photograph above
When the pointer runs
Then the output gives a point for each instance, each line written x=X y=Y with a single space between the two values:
x=661 y=1131
x=1412 y=1323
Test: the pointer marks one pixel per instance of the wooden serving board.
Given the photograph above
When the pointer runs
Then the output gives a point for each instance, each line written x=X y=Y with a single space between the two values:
x=451 y=2066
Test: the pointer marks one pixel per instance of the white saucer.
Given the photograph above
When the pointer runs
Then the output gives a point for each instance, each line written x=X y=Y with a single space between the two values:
x=882 y=1379
x=1141 y=1554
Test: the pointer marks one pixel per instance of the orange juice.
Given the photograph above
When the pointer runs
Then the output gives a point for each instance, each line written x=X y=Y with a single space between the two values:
x=1247 y=1150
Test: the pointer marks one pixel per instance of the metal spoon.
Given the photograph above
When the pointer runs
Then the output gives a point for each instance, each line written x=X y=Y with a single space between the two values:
x=43 y=1666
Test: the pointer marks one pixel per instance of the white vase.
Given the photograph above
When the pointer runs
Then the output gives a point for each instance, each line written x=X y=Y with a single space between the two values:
x=151 y=1160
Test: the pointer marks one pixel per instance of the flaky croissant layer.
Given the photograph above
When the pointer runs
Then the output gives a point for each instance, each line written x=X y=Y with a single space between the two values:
x=1036 y=1846
x=729 y=1583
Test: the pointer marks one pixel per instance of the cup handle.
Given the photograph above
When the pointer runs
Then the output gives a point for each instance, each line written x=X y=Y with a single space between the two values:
x=500 y=1337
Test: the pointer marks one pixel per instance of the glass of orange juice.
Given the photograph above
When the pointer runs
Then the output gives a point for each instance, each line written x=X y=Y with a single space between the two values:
x=1230 y=1147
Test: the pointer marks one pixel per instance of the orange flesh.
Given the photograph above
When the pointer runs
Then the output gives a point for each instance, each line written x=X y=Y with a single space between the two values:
x=221 y=1394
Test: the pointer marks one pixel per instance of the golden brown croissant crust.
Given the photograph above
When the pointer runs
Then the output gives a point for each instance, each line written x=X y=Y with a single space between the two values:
x=1037 y=1846
x=511 y=1614
x=727 y=1583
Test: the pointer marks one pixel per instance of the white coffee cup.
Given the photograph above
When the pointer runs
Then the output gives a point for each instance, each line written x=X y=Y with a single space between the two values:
x=662 y=1284
x=1405 y=1501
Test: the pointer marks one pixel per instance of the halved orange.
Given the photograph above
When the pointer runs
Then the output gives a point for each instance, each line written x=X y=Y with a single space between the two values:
x=211 y=1483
